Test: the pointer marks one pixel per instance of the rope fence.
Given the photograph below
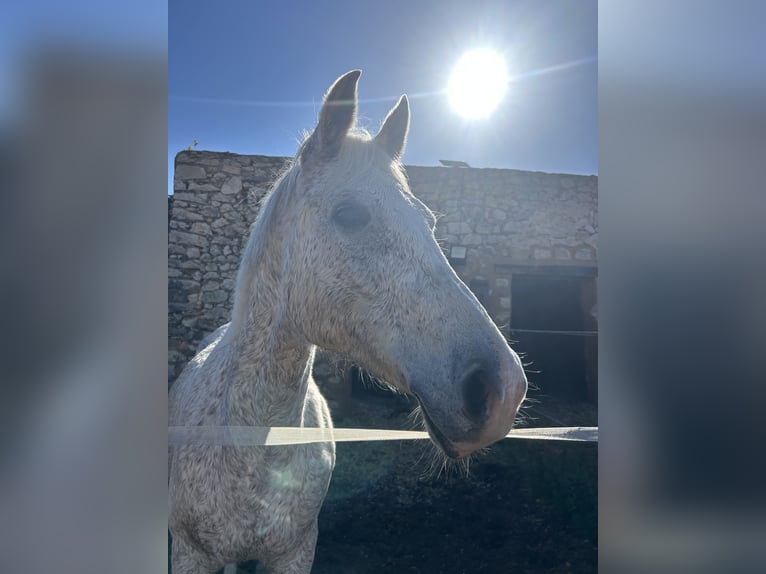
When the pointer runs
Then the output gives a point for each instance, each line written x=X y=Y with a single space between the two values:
x=553 y=332
x=277 y=436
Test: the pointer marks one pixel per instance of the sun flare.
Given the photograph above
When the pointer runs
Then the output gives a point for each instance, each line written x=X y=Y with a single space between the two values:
x=477 y=84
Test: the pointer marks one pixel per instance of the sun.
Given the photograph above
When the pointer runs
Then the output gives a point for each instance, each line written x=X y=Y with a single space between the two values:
x=477 y=84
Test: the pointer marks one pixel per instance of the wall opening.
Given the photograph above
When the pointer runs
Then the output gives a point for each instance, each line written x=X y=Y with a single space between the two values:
x=561 y=365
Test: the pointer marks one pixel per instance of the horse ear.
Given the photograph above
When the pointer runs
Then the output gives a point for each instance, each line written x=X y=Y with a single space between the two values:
x=393 y=133
x=336 y=118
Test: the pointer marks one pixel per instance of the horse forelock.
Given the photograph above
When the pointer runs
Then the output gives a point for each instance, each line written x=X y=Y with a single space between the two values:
x=358 y=152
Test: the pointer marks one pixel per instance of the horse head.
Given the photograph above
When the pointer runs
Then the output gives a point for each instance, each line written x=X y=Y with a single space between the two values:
x=366 y=278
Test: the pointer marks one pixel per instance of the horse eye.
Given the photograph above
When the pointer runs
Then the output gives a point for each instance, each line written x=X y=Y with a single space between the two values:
x=351 y=216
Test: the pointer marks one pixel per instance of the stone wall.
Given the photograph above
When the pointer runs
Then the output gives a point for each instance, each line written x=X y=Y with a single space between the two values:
x=503 y=218
x=509 y=220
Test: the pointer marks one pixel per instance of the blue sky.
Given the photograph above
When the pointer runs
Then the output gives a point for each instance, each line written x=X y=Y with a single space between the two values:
x=248 y=77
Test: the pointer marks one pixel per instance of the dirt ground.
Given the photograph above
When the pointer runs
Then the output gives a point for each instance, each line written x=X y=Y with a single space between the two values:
x=525 y=506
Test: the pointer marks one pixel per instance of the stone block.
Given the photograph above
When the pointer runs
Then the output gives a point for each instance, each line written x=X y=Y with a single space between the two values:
x=187 y=171
x=201 y=228
x=219 y=315
x=175 y=284
x=177 y=307
x=194 y=186
x=511 y=226
x=519 y=253
x=458 y=227
x=483 y=228
x=185 y=214
x=232 y=185
x=232 y=168
x=184 y=238
x=214 y=296
x=562 y=253
x=190 y=197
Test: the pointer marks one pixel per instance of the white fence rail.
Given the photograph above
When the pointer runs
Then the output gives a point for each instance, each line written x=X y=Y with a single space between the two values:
x=274 y=436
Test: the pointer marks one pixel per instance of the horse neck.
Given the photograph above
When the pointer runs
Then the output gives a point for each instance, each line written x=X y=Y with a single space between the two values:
x=270 y=385
x=272 y=361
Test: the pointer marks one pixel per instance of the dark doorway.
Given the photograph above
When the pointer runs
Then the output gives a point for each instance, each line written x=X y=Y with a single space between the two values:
x=555 y=362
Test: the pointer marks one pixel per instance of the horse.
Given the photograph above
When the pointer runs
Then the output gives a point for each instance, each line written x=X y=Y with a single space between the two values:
x=341 y=256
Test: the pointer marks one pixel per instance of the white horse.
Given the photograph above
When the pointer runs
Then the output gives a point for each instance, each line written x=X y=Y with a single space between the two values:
x=341 y=256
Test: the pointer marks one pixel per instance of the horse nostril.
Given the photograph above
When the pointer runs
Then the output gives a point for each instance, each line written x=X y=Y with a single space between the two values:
x=477 y=390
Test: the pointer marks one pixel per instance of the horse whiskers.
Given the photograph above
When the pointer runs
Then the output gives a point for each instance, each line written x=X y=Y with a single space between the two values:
x=415 y=419
x=439 y=464
x=371 y=381
x=522 y=416
x=435 y=456
x=381 y=384
x=522 y=419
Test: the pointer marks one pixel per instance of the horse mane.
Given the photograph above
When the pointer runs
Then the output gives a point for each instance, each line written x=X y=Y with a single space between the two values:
x=254 y=249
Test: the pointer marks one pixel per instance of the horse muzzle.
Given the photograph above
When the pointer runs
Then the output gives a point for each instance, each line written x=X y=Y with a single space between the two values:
x=478 y=408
